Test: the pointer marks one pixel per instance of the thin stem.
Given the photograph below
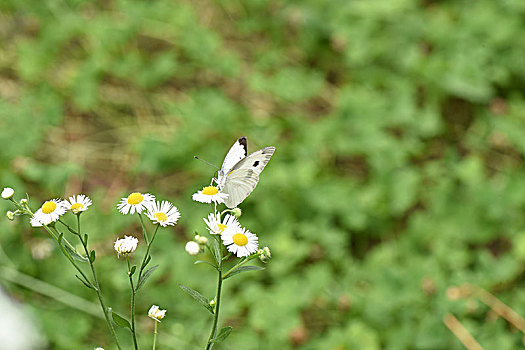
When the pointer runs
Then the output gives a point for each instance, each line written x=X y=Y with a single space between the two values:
x=209 y=345
x=240 y=263
x=155 y=336
x=133 y=292
x=97 y=286
x=144 y=233
x=143 y=265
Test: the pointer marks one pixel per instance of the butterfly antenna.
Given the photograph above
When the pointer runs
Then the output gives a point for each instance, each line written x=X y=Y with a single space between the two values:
x=202 y=160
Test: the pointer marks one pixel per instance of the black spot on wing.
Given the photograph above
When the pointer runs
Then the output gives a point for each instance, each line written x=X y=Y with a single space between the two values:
x=255 y=163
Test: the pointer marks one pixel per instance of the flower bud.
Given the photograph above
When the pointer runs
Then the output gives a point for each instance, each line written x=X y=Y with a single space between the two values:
x=156 y=313
x=23 y=201
x=201 y=239
x=10 y=215
x=126 y=245
x=7 y=193
x=264 y=254
x=237 y=212
x=212 y=303
x=192 y=248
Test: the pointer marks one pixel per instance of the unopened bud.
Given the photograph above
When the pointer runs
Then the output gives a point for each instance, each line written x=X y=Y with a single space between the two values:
x=7 y=192
x=10 y=215
x=237 y=212
x=192 y=248
x=23 y=201
x=212 y=303
x=201 y=239
x=264 y=254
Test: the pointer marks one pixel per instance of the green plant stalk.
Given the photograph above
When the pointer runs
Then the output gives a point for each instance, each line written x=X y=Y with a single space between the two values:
x=142 y=266
x=240 y=263
x=155 y=336
x=97 y=287
x=209 y=345
x=133 y=293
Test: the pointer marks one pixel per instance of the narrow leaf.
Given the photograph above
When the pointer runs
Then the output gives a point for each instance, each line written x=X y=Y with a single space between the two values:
x=146 y=262
x=133 y=269
x=74 y=254
x=198 y=296
x=205 y=262
x=243 y=269
x=217 y=252
x=86 y=283
x=120 y=321
x=92 y=256
x=145 y=276
x=223 y=334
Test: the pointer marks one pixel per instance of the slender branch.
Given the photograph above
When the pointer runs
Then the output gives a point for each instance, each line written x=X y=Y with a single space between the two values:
x=155 y=336
x=97 y=286
x=461 y=332
x=213 y=332
x=133 y=293
x=143 y=265
x=144 y=233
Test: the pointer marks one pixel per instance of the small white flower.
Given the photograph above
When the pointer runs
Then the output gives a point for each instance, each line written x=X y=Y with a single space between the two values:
x=210 y=194
x=49 y=212
x=99 y=348
x=156 y=314
x=77 y=204
x=135 y=202
x=193 y=248
x=163 y=213
x=216 y=226
x=126 y=245
x=7 y=192
x=240 y=241
x=10 y=215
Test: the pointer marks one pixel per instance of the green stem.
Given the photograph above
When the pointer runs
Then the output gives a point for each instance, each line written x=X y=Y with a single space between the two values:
x=144 y=233
x=155 y=336
x=240 y=263
x=133 y=292
x=97 y=287
x=143 y=265
x=213 y=332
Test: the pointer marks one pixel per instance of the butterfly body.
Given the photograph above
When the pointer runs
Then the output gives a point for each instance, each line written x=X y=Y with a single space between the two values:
x=239 y=173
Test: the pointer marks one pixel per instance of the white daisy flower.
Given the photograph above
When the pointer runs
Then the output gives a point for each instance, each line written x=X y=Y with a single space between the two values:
x=7 y=192
x=135 y=202
x=240 y=241
x=216 y=226
x=156 y=313
x=77 y=204
x=193 y=248
x=163 y=213
x=210 y=194
x=49 y=212
x=126 y=245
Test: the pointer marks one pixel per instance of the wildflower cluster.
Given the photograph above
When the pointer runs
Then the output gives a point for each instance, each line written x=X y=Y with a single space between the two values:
x=51 y=212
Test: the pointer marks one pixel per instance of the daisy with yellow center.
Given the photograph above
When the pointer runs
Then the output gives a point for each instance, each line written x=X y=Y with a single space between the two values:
x=163 y=213
x=240 y=241
x=210 y=194
x=216 y=226
x=49 y=212
x=135 y=203
x=77 y=204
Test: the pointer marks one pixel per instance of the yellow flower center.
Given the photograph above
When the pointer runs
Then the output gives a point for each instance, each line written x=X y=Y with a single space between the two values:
x=161 y=217
x=222 y=227
x=210 y=190
x=135 y=198
x=77 y=207
x=240 y=239
x=49 y=207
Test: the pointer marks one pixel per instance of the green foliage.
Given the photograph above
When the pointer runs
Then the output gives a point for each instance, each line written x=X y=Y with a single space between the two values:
x=398 y=171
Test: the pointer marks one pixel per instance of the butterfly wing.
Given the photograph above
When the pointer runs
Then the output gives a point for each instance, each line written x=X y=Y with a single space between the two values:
x=236 y=153
x=244 y=176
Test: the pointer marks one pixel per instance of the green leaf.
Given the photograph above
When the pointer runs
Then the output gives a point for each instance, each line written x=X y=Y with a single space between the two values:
x=197 y=296
x=145 y=276
x=120 y=321
x=146 y=262
x=223 y=334
x=92 y=256
x=205 y=262
x=133 y=269
x=74 y=254
x=217 y=252
x=86 y=283
x=241 y=269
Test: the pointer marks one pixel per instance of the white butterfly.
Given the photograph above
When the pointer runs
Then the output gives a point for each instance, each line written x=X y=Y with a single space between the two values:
x=239 y=174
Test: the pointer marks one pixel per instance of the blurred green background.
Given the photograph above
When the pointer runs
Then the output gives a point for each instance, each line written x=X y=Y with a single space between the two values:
x=398 y=172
